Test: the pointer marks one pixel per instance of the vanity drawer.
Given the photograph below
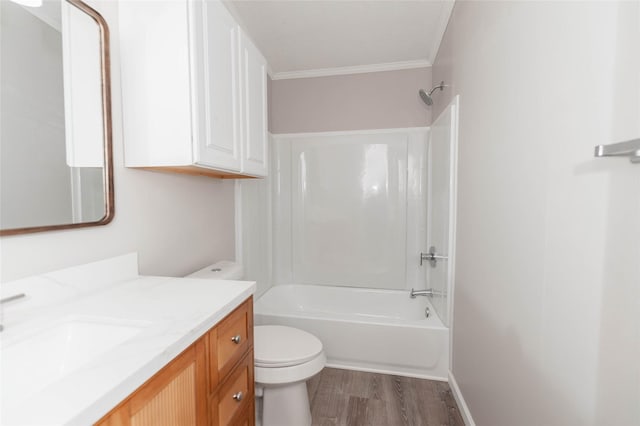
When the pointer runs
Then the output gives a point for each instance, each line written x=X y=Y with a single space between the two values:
x=229 y=342
x=234 y=401
x=247 y=418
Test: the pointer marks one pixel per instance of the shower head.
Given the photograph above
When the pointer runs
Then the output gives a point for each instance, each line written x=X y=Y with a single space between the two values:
x=426 y=96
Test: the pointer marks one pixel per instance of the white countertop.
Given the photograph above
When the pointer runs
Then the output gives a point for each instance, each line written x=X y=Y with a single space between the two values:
x=168 y=315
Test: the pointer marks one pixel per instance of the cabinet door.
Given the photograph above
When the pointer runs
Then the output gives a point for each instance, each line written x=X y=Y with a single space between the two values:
x=177 y=395
x=233 y=404
x=229 y=342
x=254 y=108
x=215 y=90
x=156 y=82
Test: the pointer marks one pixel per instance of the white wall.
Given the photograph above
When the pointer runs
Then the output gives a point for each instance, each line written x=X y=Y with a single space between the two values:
x=547 y=295
x=177 y=223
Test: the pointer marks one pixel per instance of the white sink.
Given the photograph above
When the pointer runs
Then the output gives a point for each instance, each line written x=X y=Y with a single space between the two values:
x=54 y=352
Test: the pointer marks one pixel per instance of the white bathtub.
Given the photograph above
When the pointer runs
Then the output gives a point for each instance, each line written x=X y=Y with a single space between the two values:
x=363 y=329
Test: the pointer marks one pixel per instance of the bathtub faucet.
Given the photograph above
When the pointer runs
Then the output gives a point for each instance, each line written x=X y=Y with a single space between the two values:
x=427 y=292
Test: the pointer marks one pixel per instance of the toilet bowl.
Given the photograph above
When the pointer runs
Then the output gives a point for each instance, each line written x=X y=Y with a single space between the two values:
x=284 y=359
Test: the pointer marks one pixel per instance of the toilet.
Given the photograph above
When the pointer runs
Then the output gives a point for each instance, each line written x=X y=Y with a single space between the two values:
x=284 y=359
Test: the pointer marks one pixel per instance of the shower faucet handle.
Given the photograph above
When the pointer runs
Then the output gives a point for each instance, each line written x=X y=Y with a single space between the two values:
x=432 y=257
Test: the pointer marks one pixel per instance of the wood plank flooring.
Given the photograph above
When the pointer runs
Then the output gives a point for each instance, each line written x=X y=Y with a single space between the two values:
x=353 y=398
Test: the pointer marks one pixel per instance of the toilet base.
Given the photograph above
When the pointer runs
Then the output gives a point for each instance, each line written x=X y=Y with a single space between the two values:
x=286 y=405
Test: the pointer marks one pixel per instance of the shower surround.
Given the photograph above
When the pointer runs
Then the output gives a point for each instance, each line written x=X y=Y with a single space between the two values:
x=350 y=208
x=334 y=237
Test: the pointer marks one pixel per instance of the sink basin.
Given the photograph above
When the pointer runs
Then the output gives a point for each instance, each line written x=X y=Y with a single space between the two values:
x=32 y=363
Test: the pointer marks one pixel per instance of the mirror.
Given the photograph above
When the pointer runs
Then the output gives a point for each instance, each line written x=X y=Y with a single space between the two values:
x=56 y=168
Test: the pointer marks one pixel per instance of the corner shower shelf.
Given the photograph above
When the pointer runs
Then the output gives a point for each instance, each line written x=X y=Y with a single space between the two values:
x=629 y=149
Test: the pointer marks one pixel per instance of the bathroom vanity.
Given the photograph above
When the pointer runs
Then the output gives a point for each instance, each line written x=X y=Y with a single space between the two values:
x=99 y=344
x=210 y=383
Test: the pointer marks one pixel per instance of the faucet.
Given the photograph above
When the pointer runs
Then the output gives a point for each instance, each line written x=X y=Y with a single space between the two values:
x=9 y=299
x=427 y=292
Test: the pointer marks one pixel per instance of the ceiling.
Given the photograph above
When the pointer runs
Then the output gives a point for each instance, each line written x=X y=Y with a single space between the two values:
x=323 y=37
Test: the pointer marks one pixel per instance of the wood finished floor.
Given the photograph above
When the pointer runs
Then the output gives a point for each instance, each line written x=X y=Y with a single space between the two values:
x=354 y=398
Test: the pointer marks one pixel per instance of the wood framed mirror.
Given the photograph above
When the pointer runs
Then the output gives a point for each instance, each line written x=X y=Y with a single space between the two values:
x=56 y=161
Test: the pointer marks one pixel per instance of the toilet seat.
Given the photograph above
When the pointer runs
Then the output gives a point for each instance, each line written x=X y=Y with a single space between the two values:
x=277 y=346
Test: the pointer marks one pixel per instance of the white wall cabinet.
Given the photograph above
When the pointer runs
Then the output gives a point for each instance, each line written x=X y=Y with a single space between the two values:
x=253 y=71
x=194 y=90
x=216 y=83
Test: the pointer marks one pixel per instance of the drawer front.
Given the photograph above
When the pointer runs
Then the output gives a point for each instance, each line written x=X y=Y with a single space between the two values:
x=246 y=418
x=235 y=398
x=233 y=338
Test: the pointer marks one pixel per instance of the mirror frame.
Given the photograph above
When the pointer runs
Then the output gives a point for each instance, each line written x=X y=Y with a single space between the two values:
x=105 y=71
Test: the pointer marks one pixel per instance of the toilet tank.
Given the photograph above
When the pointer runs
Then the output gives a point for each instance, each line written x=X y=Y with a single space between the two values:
x=223 y=270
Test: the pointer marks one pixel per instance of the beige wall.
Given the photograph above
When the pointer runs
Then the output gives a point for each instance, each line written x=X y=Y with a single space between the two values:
x=176 y=223
x=375 y=100
x=547 y=291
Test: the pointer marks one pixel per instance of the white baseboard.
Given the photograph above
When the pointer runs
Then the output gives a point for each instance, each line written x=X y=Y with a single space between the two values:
x=462 y=405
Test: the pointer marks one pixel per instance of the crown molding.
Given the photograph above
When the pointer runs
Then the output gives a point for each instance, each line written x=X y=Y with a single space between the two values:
x=358 y=69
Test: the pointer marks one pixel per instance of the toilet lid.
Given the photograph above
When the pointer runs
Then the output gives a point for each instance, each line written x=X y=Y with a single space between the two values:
x=280 y=346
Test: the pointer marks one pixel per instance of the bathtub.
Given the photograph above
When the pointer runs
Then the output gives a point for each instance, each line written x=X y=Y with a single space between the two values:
x=372 y=330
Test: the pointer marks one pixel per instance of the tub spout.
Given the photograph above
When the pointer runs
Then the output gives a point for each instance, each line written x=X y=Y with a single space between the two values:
x=427 y=292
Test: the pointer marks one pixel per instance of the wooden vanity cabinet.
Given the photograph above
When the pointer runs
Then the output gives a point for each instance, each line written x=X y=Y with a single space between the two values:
x=209 y=384
x=171 y=397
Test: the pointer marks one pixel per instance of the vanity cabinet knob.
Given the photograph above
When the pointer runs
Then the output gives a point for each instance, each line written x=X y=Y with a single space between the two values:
x=236 y=339
x=238 y=396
